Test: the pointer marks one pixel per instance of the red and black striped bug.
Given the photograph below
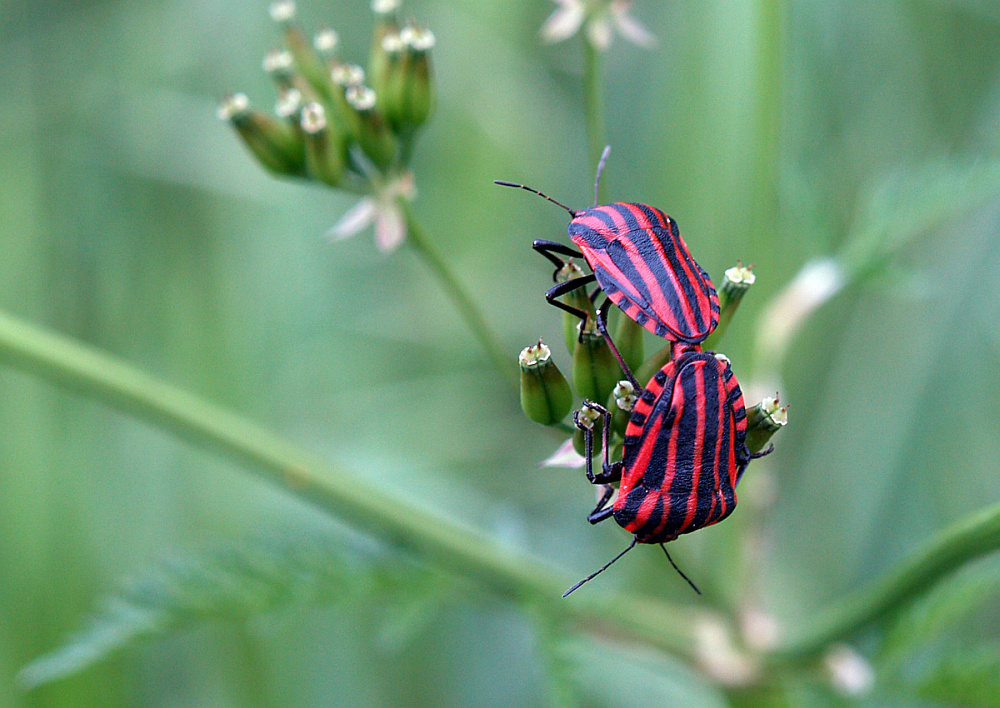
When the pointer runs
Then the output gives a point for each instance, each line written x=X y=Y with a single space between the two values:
x=683 y=453
x=640 y=261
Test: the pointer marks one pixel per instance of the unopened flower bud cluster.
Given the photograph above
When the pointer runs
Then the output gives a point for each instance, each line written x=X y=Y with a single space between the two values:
x=337 y=123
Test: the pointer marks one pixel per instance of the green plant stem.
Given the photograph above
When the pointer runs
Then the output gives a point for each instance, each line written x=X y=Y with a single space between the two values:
x=394 y=519
x=505 y=362
x=973 y=536
x=770 y=16
x=593 y=101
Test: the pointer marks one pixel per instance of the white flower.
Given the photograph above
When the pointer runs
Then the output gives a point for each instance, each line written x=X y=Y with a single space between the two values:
x=565 y=456
x=602 y=17
x=384 y=208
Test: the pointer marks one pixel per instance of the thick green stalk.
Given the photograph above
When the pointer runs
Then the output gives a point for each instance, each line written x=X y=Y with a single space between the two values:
x=462 y=300
x=593 y=102
x=437 y=539
x=969 y=538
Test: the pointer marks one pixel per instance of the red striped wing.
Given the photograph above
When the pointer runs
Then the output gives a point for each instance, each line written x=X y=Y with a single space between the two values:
x=684 y=450
x=643 y=265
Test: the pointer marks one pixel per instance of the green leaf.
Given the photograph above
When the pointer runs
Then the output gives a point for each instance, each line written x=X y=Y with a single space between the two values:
x=610 y=674
x=233 y=583
x=969 y=678
x=946 y=605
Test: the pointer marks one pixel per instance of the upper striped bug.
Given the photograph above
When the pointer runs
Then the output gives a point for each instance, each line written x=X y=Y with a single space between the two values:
x=640 y=261
x=683 y=453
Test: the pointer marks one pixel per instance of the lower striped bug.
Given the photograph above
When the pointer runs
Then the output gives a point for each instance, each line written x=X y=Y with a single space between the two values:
x=683 y=453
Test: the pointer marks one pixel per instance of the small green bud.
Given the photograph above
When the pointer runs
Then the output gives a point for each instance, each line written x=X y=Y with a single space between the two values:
x=419 y=89
x=575 y=298
x=545 y=394
x=654 y=363
x=595 y=369
x=763 y=421
x=376 y=139
x=279 y=65
x=324 y=154
x=621 y=402
x=403 y=77
x=275 y=143
x=386 y=23
x=735 y=283
x=309 y=64
x=628 y=337
x=345 y=76
x=592 y=421
x=325 y=42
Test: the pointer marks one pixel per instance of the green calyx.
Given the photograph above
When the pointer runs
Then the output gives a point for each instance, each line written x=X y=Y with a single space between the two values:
x=546 y=397
x=764 y=420
x=595 y=369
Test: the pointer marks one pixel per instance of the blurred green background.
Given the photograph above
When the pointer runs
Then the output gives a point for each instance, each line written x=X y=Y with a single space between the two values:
x=777 y=133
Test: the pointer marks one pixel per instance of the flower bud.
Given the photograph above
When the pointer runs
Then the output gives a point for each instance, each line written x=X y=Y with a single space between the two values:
x=324 y=154
x=653 y=364
x=621 y=402
x=277 y=145
x=589 y=419
x=310 y=66
x=545 y=394
x=325 y=42
x=403 y=77
x=575 y=298
x=419 y=95
x=377 y=140
x=345 y=76
x=386 y=23
x=735 y=283
x=279 y=65
x=595 y=369
x=628 y=338
x=763 y=421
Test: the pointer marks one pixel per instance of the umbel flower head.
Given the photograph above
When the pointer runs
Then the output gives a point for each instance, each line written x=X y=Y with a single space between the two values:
x=599 y=19
x=332 y=126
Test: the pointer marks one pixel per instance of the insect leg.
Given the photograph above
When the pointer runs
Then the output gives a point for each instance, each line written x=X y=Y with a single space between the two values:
x=550 y=248
x=562 y=289
x=602 y=510
x=602 y=327
x=768 y=451
x=610 y=471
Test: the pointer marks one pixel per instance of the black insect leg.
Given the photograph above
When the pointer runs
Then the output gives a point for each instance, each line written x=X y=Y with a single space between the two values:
x=610 y=472
x=603 y=510
x=550 y=248
x=562 y=289
x=768 y=451
x=602 y=327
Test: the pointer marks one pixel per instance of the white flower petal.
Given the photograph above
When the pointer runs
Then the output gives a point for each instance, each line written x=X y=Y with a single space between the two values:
x=630 y=27
x=565 y=456
x=390 y=227
x=356 y=218
x=563 y=23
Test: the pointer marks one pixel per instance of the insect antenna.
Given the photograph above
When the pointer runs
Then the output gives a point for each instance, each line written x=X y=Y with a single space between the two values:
x=693 y=586
x=600 y=169
x=535 y=191
x=605 y=567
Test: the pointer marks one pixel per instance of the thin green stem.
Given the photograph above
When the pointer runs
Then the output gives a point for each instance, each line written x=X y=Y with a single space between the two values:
x=969 y=538
x=349 y=496
x=593 y=101
x=505 y=362
x=767 y=119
